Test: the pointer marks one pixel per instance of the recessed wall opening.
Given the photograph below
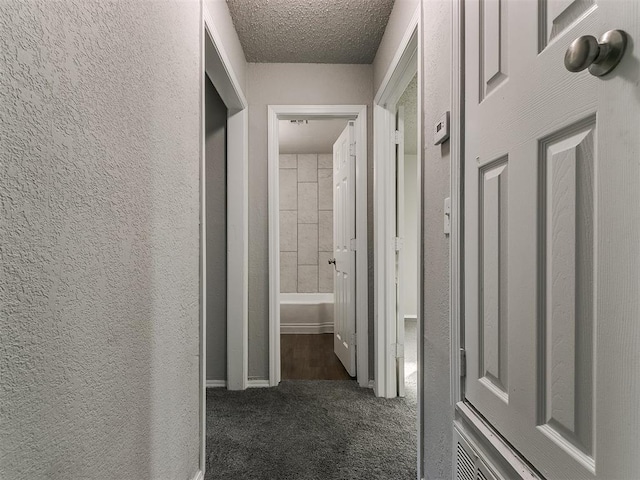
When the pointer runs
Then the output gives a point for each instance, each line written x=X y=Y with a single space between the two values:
x=307 y=274
x=407 y=232
x=318 y=243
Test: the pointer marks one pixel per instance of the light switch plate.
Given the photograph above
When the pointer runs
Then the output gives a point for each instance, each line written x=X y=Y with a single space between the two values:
x=441 y=130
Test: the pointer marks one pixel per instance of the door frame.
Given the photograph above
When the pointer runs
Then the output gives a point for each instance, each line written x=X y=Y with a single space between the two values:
x=407 y=62
x=216 y=64
x=288 y=112
x=456 y=235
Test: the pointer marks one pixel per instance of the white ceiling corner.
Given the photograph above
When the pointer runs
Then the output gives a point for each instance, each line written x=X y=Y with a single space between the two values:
x=310 y=31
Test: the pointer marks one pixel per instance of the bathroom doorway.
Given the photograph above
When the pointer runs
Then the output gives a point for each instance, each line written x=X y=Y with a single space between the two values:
x=314 y=329
x=307 y=290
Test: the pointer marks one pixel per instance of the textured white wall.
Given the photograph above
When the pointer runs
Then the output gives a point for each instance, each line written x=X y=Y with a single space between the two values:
x=219 y=13
x=99 y=169
x=399 y=19
x=286 y=84
x=436 y=100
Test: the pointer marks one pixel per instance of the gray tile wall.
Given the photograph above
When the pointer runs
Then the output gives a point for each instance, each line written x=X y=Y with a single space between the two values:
x=306 y=223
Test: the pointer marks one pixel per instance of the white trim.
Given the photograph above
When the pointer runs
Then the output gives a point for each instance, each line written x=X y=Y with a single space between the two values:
x=306 y=328
x=218 y=68
x=421 y=251
x=359 y=112
x=202 y=341
x=199 y=475
x=274 y=247
x=216 y=383
x=401 y=71
x=456 y=266
x=388 y=84
x=258 y=384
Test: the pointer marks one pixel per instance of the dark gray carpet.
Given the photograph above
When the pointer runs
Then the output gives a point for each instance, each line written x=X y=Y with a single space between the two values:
x=310 y=430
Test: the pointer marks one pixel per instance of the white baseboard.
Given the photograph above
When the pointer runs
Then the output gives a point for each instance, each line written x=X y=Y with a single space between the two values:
x=306 y=328
x=199 y=475
x=216 y=383
x=257 y=383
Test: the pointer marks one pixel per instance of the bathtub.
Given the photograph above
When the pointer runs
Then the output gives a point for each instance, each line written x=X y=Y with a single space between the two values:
x=306 y=313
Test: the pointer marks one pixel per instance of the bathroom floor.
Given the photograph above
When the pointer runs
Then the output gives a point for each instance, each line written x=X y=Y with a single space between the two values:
x=310 y=357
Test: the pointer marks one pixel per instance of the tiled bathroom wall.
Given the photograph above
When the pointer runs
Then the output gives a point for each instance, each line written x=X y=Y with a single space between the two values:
x=306 y=223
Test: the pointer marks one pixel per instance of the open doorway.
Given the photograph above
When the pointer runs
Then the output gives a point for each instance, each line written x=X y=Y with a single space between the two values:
x=317 y=214
x=307 y=290
x=407 y=234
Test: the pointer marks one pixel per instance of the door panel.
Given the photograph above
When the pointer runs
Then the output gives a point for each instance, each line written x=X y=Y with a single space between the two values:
x=552 y=236
x=566 y=270
x=344 y=231
x=493 y=265
x=492 y=40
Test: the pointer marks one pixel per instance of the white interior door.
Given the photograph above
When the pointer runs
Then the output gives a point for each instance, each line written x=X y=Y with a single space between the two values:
x=344 y=234
x=400 y=257
x=552 y=236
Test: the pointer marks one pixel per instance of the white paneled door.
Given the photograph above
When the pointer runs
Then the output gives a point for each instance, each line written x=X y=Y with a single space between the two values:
x=552 y=234
x=344 y=234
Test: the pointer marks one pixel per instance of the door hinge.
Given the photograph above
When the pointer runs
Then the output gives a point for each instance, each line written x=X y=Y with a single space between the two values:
x=353 y=244
x=463 y=362
x=352 y=149
x=397 y=136
x=398 y=350
x=353 y=338
x=398 y=243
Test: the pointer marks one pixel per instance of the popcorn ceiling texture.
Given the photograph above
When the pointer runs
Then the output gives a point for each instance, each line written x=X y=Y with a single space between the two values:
x=310 y=31
x=99 y=275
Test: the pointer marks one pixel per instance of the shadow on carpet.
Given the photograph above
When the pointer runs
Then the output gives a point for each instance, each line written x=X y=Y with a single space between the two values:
x=310 y=430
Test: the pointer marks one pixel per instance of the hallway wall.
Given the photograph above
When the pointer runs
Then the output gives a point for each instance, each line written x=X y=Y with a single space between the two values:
x=438 y=419
x=290 y=84
x=99 y=239
x=216 y=209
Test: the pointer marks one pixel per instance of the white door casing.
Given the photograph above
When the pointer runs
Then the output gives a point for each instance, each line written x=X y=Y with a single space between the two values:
x=344 y=208
x=399 y=247
x=552 y=236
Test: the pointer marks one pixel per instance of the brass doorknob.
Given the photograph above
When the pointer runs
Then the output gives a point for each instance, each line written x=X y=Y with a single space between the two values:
x=599 y=56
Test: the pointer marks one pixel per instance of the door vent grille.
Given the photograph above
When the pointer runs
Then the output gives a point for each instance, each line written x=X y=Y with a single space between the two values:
x=469 y=465
x=465 y=466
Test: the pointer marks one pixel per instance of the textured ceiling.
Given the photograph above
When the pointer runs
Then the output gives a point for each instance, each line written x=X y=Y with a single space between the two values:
x=310 y=31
